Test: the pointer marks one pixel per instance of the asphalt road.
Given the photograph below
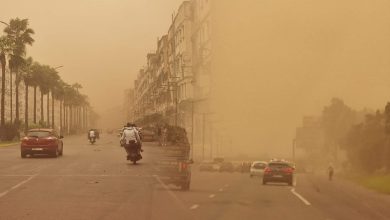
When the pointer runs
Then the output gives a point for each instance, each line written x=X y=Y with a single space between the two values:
x=96 y=182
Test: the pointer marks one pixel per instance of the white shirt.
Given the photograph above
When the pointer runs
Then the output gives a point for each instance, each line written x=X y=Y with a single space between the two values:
x=92 y=133
x=130 y=134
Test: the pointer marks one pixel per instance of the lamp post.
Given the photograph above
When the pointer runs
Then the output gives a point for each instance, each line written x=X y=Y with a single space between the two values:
x=293 y=149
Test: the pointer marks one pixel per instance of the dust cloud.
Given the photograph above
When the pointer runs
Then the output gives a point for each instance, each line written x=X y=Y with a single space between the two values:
x=276 y=61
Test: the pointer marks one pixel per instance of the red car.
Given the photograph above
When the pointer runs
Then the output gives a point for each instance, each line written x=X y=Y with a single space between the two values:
x=41 y=141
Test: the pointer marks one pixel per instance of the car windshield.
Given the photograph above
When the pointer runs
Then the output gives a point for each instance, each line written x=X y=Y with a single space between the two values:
x=259 y=165
x=38 y=134
x=279 y=165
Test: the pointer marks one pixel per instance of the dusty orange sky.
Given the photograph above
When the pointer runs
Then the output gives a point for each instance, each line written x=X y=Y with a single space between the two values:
x=101 y=43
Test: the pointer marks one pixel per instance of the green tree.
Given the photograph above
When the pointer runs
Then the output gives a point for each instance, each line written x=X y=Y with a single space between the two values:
x=365 y=142
x=337 y=119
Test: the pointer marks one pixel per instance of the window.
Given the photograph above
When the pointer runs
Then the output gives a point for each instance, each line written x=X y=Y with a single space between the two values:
x=38 y=134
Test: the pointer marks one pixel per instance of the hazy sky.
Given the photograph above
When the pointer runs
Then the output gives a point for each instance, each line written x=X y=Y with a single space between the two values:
x=101 y=43
x=276 y=61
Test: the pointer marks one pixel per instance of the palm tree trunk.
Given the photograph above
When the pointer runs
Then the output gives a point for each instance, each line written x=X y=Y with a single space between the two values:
x=2 y=60
x=35 y=104
x=17 y=101
x=11 y=104
x=26 y=110
x=61 y=117
x=42 y=114
x=48 y=109
x=52 y=110
x=70 y=118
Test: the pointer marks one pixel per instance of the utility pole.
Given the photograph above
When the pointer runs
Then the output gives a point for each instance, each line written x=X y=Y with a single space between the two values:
x=203 y=135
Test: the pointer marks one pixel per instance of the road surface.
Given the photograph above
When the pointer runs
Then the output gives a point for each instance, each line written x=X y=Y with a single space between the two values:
x=96 y=182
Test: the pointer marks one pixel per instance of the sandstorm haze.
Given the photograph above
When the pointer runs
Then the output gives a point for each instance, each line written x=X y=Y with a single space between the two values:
x=273 y=61
x=277 y=61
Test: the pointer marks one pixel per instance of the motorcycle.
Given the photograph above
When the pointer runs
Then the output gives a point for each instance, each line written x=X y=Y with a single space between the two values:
x=134 y=154
x=92 y=140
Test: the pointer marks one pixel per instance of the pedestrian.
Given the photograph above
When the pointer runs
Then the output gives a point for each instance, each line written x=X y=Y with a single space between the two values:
x=159 y=135
x=164 y=135
x=330 y=172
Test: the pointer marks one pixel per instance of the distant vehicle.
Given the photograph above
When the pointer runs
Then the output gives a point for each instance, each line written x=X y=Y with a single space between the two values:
x=206 y=166
x=226 y=167
x=279 y=171
x=245 y=167
x=219 y=160
x=97 y=132
x=41 y=141
x=257 y=168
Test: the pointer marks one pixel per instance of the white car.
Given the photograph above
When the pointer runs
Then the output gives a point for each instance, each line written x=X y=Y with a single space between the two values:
x=257 y=168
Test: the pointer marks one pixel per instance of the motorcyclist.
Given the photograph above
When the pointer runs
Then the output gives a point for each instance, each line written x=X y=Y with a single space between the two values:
x=130 y=138
x=91 y=135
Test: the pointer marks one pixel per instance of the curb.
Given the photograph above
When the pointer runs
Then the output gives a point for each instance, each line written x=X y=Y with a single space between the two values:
x=9 y=145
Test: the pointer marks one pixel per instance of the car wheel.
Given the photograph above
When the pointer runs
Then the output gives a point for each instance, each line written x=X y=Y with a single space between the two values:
x=264 y=182
x=250 y=176
x=23 y=155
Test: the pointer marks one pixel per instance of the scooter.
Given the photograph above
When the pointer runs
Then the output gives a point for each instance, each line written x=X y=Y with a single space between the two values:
x=92 y=140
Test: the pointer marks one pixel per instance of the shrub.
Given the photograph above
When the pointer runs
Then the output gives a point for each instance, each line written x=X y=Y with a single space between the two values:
x=9 y=132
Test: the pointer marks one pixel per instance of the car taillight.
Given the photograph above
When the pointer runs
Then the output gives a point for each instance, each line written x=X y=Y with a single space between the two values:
x=288 y=170
x=182 y=166
x=267 y=170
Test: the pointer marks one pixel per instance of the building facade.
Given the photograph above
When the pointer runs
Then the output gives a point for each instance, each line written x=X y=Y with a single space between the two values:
x=175 y=84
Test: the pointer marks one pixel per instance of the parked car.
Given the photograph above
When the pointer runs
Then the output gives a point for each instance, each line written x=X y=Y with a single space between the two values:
x=226 y=166
x=279 y=171
x=257 y=168
x=41 y=141
x=148 y=134
x=206 y=166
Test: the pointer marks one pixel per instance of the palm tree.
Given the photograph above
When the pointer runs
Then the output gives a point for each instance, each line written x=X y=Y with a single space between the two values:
x=20 y=35
x=5 y=48
x=52 y=80
x=26 y=75
x=36 y=70
x=43 y=88
x=58 y=93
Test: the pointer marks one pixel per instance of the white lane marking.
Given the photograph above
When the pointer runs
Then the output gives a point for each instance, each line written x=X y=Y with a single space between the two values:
x=17 y=186
x=300 y=197
x=227 y=185
x=211 y=196
x=194 y=207
x=175 y=198
x=221 y=190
